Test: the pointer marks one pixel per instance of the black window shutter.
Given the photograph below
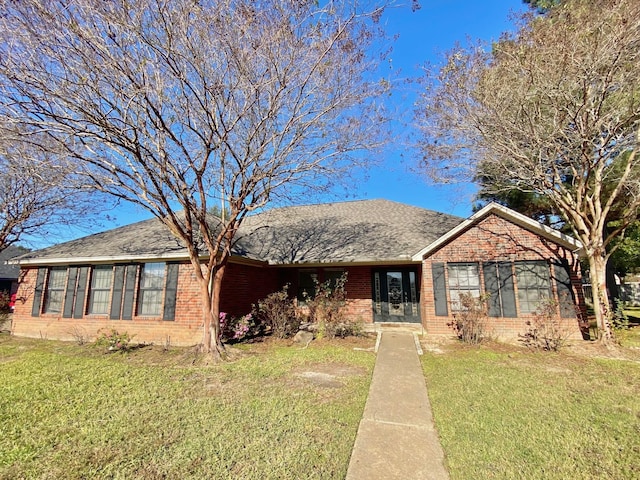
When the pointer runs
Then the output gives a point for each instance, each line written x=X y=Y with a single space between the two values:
x=129 y=291
x=439 y=289
x=78 y=309
x=72 y=274
x=566 y=297
x=507 y=291
x=170 y=292
x=37 y=294
x=116 y=297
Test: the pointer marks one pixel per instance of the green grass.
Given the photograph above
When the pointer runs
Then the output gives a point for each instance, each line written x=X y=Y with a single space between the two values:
x=633 y=314
x=68 y=411
x=508 y=414
x=630 y=337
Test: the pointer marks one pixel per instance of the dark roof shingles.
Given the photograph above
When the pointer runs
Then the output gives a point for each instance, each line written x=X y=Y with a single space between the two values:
x=145 y=239
x=356 y=231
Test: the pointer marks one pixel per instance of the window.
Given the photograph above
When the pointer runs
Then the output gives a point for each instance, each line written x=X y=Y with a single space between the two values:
x=333 y=276
x=306 y=285
x=309 y=279
x=55 y=290
x=101 y=280
x=151 y=288
x=533 y=284
x=463 y=279
x=498 y=284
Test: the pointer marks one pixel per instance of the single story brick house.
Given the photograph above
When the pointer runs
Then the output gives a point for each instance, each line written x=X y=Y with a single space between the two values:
x=404 y=265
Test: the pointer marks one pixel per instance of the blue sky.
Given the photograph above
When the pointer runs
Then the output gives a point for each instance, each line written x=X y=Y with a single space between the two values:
x=426 y=35
x=423 y=35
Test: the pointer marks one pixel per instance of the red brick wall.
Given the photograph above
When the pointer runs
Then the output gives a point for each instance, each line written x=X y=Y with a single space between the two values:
x=186 y=329
x=359 y=307
x=244 y=285
x=495 y=239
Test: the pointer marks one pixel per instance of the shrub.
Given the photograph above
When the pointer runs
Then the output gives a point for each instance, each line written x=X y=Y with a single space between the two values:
x=114 y=341
x=545 y=331
x=237 y=329
x=277 y=313
x=620 y=320
x=79 y=334
x=4 y=302
x=326 y=309
x=341 y=329
x=5 y=311
x=470 y=322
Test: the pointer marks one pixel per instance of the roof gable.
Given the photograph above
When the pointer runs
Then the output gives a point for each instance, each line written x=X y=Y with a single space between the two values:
x=509 y=215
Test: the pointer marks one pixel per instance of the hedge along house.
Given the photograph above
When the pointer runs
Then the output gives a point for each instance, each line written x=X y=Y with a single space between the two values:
x=404 y=265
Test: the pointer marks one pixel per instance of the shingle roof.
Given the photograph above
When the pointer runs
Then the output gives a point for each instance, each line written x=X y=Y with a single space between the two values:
x=142 y=240
x=357 y=231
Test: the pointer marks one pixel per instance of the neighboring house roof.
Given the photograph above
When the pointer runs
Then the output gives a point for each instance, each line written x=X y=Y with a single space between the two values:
x=10 y=271
x=341 y=232
x=510 y=215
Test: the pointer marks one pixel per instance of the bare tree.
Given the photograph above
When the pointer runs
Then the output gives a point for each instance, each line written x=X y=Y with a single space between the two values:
x=553 y=110
x=183 y=105
x=39 y=194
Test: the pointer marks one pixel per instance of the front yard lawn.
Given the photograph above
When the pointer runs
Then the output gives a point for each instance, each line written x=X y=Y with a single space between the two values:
x=503 y=412
x=277 y=411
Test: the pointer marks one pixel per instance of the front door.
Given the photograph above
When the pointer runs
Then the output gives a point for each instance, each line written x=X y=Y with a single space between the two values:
x=396 y=295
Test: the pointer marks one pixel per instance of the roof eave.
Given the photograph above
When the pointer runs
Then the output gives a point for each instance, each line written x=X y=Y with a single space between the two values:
x=99 y=259
x=345 y=263
x=125 y=259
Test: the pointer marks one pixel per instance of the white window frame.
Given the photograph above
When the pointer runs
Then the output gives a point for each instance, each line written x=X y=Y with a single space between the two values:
x=151 y=289
x=55 y=293
x=101 y=290
x=462 y=277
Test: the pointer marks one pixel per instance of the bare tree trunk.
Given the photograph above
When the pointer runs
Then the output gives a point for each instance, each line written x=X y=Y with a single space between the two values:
x=601 y=304
x=207 y=320
x=520 y=116
x=216 y=337
x=210 y=295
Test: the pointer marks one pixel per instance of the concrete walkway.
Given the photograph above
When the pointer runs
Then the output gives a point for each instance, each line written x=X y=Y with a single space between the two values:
x=396 y=438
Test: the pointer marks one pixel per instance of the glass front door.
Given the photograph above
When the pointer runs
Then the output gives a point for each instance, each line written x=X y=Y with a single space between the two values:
x=396 y=295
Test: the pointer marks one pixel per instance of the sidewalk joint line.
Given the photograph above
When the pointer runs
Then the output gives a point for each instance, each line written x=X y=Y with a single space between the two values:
x=402 y=424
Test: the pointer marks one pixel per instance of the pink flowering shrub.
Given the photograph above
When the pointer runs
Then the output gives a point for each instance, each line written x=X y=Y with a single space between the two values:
x=237 y=329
